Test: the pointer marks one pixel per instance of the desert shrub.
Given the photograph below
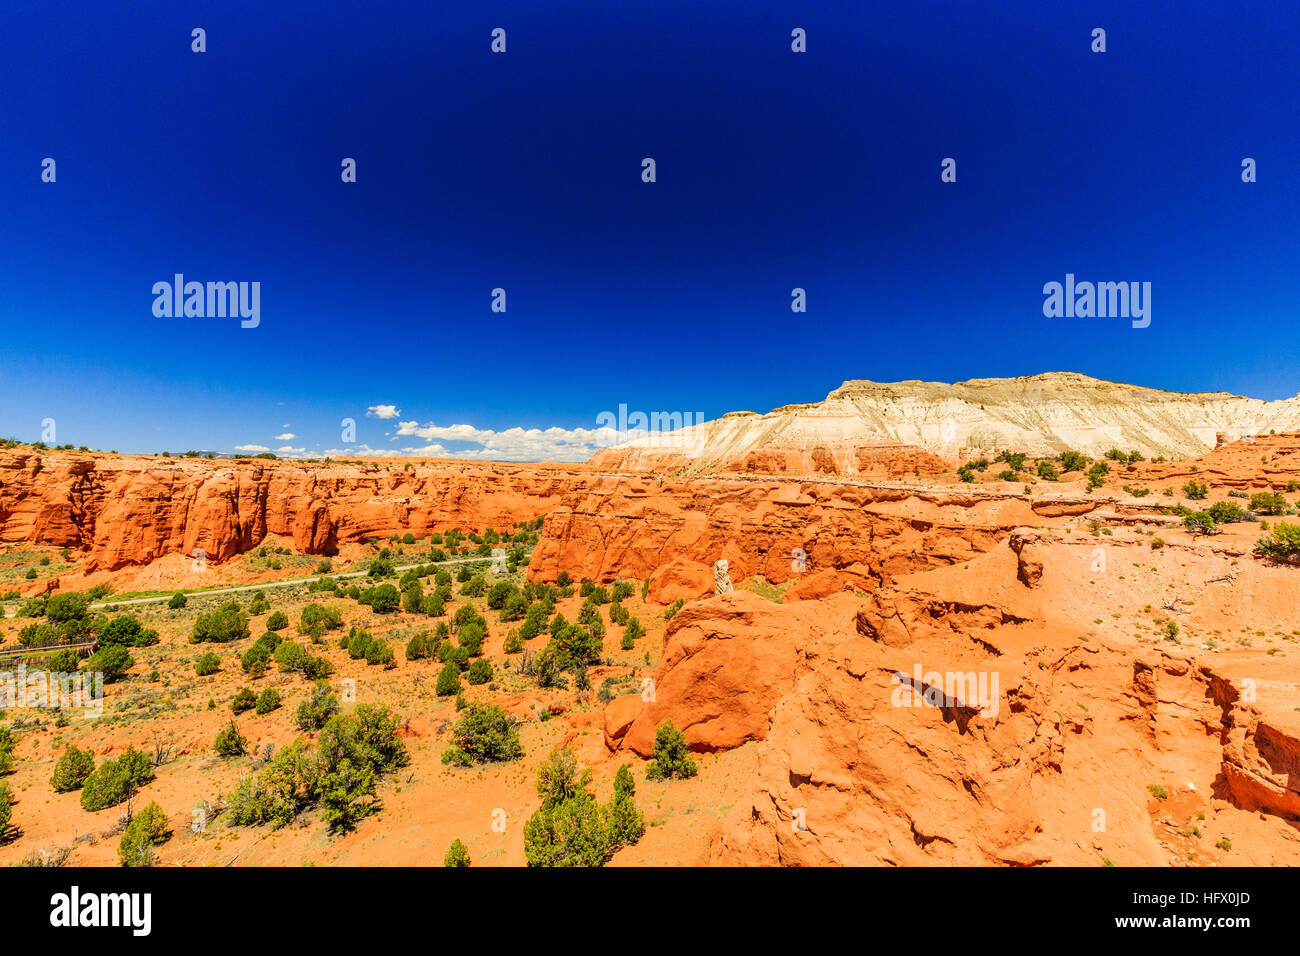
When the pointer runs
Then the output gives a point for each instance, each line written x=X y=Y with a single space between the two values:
x=448 y=679
x=483 y=734
x=471 y=638
x=499 y=593
x=112 y=662
x=6 y=807
x=7 y=743
x=673 y=608
x=314 y=712
x=115 y=780
x=558 y=778
x=515 y=608
x=63 y=607
x=571 y=828
x=457 y=854
x=1225 y=512
x=267 y=701
x=622 y=590
x=1268 y=503
x=382 y=598
x=353 y=752
x=147 y=829
x=227 y=623
x=357 y=641
x=480 y=672
x=207 y=664
x=72 y=769
x=259 y=604
x=670 y=757
x=243 y=701
x=534 y=621
x=514 y=642
x=449 y=653
x=1096 y=475
x=1047 y=471
x=288 y=785
x=64 y=662
x=1282 y=542
x=178 y=601
x=1194 y=491
x=577 y=647
x=268 y=642
x=43 y=635
x=379 y=652
x=347 y=795
x=475 y=587
x=618 y=614
x=318 y=615
x=230 y=742
x=413 y=598
x=545 y=668
x=626 y=821
x=1200 y=522
x=289 y=656
x=255 y=660
x=378 y=728
x=126 y=631
x=314 y=667
x=421 y=646
x=277 y=621
x=1072 y=461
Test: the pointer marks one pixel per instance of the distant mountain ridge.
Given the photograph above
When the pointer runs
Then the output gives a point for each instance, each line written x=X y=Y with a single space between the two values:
x=1038 y=414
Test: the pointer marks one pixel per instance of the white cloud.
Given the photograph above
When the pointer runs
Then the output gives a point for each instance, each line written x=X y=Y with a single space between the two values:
x=383 y=411
x=287 y=436
x=254 y=448
x=287 y=450
x=355 y=451
x=511 y=444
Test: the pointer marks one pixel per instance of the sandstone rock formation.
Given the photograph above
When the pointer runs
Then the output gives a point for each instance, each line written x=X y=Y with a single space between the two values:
x=125 y=510
x=721 y=577
x=1042 y=754
x=886 y=430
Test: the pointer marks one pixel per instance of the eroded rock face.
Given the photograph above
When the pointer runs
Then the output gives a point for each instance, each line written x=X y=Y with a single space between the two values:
x=640 y=527
x=681 y=579
x=130 y=510
x=958 y=718
x=726 y=662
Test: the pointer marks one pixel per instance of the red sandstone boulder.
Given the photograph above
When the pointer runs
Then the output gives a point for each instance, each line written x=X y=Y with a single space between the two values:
x=618 y=718
x=682 y=579
x=728 y=660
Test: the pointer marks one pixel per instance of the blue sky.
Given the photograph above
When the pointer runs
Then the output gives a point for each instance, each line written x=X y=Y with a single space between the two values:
x=522 y=171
